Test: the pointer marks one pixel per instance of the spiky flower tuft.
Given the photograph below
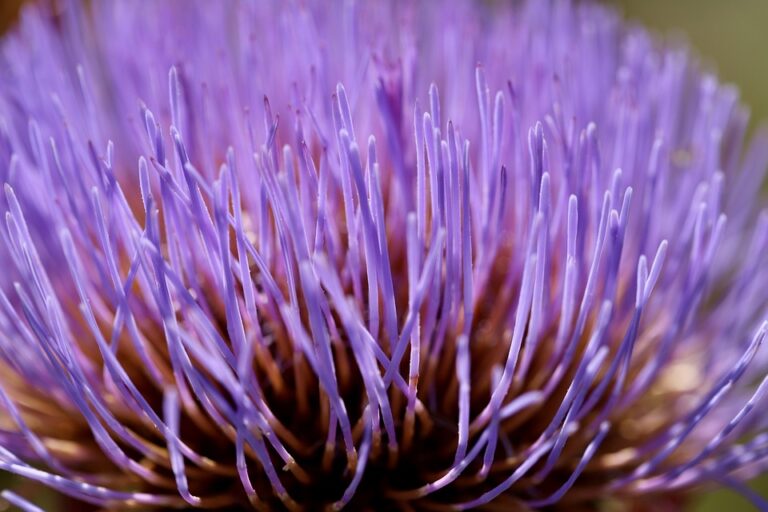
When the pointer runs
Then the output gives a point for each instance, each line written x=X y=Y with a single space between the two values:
x=239 y=283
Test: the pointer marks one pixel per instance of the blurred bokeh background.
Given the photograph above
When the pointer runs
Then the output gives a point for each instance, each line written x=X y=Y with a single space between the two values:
x=731 y=38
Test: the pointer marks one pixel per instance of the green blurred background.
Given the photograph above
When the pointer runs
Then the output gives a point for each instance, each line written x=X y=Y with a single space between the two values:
x=731 y=37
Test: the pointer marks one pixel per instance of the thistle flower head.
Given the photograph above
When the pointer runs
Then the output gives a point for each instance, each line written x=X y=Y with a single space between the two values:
x=299 y=255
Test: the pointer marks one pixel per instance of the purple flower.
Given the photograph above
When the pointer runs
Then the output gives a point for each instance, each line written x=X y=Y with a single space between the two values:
x=241 y=283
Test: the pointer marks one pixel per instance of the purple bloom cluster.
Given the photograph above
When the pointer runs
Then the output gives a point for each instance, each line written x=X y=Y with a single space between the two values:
x=514 y=261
